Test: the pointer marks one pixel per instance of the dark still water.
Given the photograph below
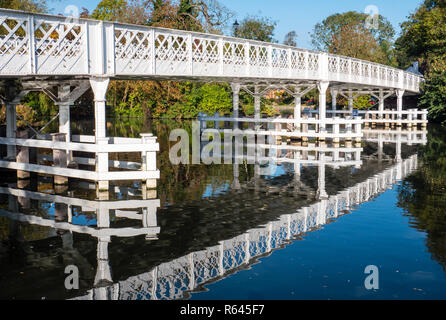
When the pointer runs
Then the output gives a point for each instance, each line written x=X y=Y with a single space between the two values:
x=304 y=226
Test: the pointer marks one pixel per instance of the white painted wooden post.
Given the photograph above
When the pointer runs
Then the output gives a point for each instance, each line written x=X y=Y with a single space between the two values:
x=102 y=164
x=64 y=115
x=32 y=51
x=11 y=127
x=221 y=55
x=400 y=94
x=149 y=159
x=358 y=129
x=270 y=61
x=59 y=158
x=334 y=95
x=381 y=103
x=247 y=58
x=257 y=101
x=22 y=154
x=99 y=86
x=153 y=51
x=322 y=87
x=336 y=129
x=235 y=98
x=350 y=102
x=297 y=111
x=190 y=54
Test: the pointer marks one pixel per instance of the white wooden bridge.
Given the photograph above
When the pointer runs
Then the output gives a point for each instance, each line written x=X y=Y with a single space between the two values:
x=65 y=56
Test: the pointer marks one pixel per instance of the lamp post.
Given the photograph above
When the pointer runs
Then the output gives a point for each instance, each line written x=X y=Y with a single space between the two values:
x=235 y=26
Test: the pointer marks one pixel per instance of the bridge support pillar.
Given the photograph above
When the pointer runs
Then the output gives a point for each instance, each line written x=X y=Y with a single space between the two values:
x=350 y=102
x=11 y=100
x=297 y=112
x=400 y=94
x=257 y=101
x=11 y=127
x=322 y=87
x=381 y=104
x=99 y=86
x=235 y=98
x=334 y=95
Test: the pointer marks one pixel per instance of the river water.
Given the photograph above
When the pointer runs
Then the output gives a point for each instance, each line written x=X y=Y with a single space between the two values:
x=225 y=231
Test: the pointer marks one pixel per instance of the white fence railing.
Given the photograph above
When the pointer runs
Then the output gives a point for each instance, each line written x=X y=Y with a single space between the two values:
x=36 y=44
x=409 y=116
x=144 y=170
x=329 y=128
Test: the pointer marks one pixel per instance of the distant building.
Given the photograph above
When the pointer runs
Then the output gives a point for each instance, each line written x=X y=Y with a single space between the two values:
x=274 y=94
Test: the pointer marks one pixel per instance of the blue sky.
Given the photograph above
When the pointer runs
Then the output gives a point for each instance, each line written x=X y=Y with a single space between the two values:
x=299 y=15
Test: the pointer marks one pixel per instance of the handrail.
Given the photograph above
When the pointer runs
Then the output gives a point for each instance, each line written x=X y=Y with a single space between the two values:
x=57 y=45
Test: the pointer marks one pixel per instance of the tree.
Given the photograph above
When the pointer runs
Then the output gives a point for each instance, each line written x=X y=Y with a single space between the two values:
x=329 y=29
x=353 y=40
x=256 y=28
x=132 y=11
x=205 y=15
x=423 y=39
x=39 y=6
x=290 y=39
x=187 y=16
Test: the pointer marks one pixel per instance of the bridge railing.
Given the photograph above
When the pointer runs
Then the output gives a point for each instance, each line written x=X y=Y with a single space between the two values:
x=331 y=128
x=410 y=116
x=55 y=45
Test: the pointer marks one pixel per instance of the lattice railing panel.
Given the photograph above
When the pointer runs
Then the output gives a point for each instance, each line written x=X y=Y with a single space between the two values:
x=133 y=51
x=280 y=58
x=59 y=47
x=14 y=46
x=298 y=61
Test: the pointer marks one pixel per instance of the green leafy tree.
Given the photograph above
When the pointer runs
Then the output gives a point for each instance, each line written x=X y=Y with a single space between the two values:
x=338 y=25
x=355 y=41
x=256 y=28
x=39 y=6
x=423 y=39
x=434 y=96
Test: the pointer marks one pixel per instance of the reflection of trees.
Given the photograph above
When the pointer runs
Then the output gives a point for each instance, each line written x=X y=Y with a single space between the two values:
x=423 y=195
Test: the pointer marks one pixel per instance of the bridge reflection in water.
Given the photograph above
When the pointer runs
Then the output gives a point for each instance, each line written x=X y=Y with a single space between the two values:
x=174 y=279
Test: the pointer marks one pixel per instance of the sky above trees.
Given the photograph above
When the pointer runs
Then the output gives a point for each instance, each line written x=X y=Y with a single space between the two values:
x=298 y=15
